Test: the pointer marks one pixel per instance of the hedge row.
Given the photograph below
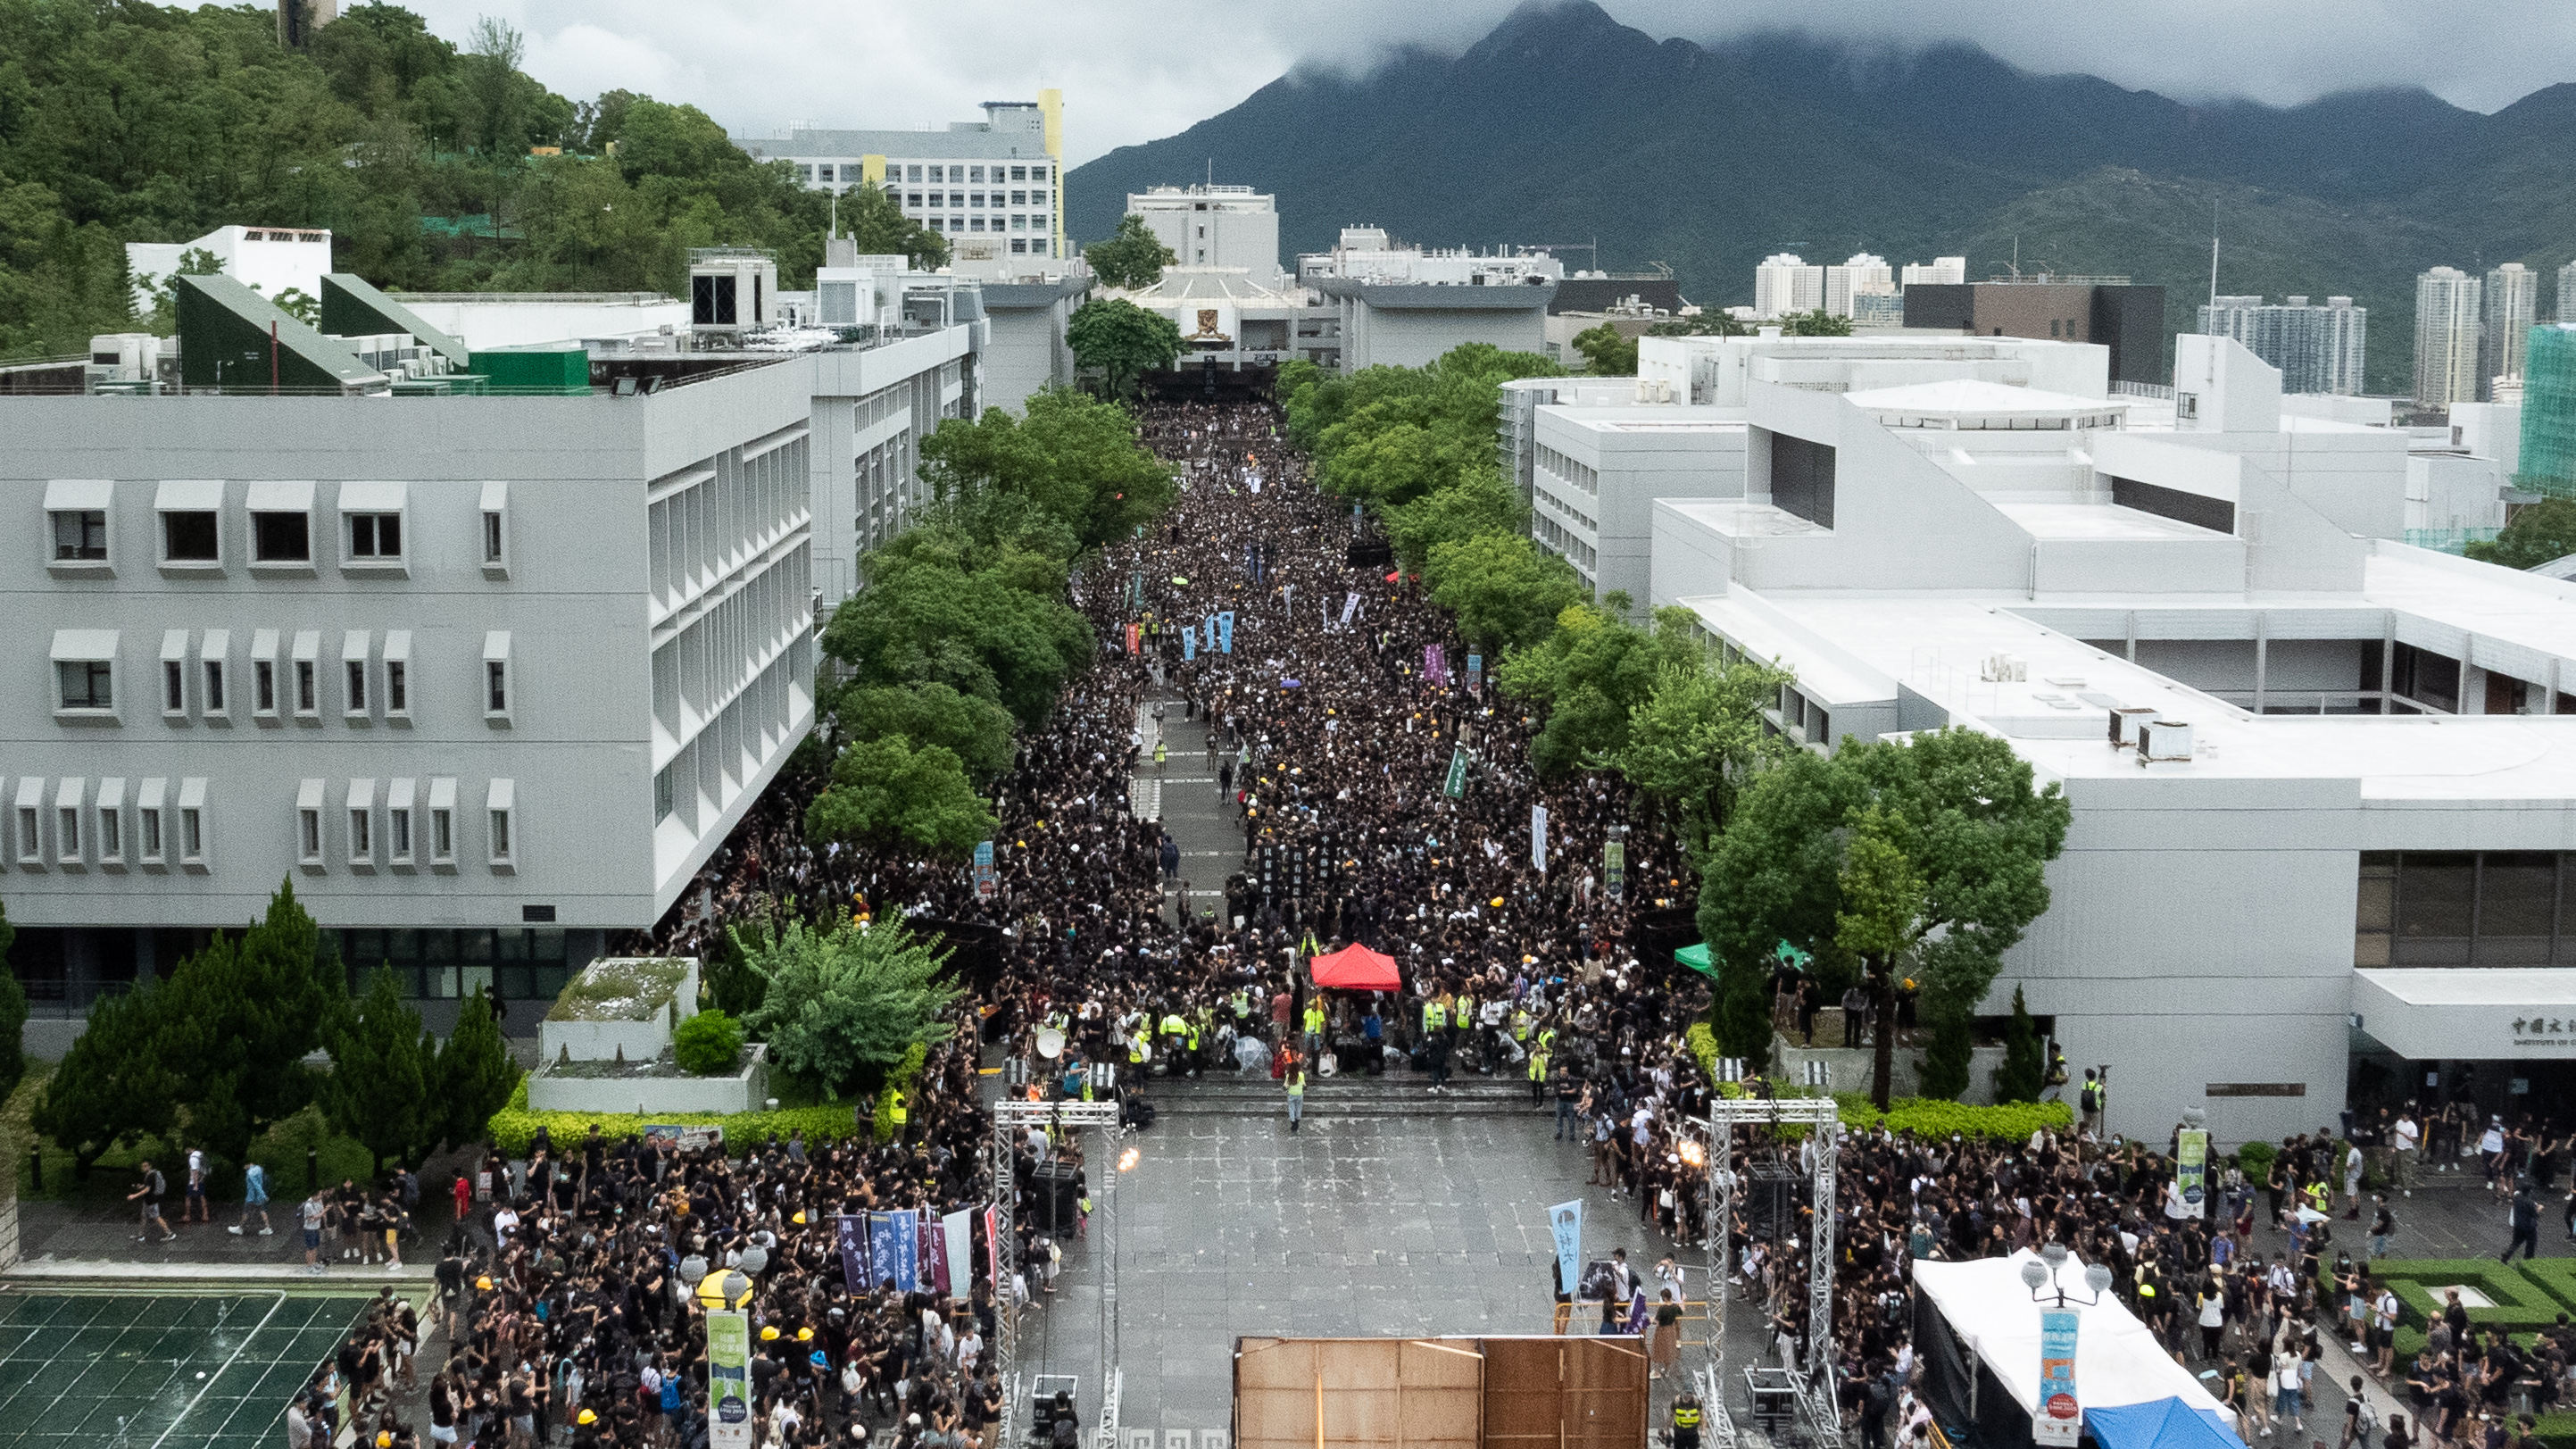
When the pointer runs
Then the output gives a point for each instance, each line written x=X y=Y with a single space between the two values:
x=514 y=1126
x=1922 y=1116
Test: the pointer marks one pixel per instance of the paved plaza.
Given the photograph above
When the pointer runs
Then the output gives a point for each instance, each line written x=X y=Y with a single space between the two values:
x=151 y=1371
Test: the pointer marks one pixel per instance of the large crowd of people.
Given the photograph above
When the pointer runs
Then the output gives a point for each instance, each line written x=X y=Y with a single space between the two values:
x=1336 y=700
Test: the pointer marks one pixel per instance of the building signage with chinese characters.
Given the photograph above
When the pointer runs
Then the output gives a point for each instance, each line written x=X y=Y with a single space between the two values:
x=2057 y=1420
x=2538 y=1029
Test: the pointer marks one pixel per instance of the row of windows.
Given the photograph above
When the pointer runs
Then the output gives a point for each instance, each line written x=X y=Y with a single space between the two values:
x=403 y=829
x=528 y=964
x=2465 y=908
x=973 y=200
x=1579 y=475
x=283 y=676
x=961 y=224
x=714 y=656
x=76 y=824
x=712 y=768
x=276 y=528
x=709 y=523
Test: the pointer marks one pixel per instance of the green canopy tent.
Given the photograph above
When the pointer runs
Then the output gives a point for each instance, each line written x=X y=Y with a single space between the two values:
x=1696 y=958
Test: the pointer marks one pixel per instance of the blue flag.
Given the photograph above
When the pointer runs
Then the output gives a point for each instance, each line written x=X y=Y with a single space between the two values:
x=851 y=1229
x=890 y=1248
x=1565 y=1221
x=1189 y=645
x=1225 y=632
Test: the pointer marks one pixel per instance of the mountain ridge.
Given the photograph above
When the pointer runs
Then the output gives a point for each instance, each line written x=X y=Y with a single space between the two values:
x=1561 y=124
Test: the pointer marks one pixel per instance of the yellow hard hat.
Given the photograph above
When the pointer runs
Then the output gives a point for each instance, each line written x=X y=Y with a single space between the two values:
x=483 y=1282
x=804 y=1335
x=1498 y=901
x=769 y=1333
x=587 y=1417
x=799 y=1219
x=384 y=1439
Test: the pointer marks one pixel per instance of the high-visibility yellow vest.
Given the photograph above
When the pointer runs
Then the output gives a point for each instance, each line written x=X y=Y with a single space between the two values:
x=897 y=1111
x=1314 y=1021
x=1686 y=1417
x=1434 y=1017
x=1538 y=1066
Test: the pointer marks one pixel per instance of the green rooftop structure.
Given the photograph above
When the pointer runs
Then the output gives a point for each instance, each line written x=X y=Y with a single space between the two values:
x=351 y=307
x=2549 y=413
x=235 y=340
x=535 y=371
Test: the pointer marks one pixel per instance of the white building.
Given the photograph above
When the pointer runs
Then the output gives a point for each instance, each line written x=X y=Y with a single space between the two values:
x=484 y=676
x=1228 y=316
x=2567 y=294
x=2318 y=349
x=272 y=259
x=1400 y=305
x=1940 y=271
x=1215 y=226
x=2342 y=779
x=2511 y=302
x=994 y=187
x=1783 y=283
x=1368 y=254
x=1862 y=276
x=2448 y=330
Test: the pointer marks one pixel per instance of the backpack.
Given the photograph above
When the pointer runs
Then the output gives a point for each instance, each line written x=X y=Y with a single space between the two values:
x=2366 y=1423
x=1064 y=1434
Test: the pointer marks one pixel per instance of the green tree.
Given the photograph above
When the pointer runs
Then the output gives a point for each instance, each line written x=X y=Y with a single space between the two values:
x=473 y=1076
x=1075 y=456
x=111 y=1088
x=1479 y=502
x=1698 y=737
x=2024 y=1074
x=1706 y=324
x=924 y=618
x=1818 y=323
x=2539 y=533
x=1609 y=353
x=885 y=792
x=708 y=1044
x=1590 y=675
x=976 y=730
x=1123 y=340
x=377 y=1091
x=1132 y=259
x=1880 y=921
x=842 y=1006
x=872 y=219
x=1772 y=876
x=1504 y=591
x=235 y=1020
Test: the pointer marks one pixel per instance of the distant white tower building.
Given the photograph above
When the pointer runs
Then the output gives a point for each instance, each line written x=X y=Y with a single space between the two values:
x=1214 y=226
x=1783 y=284
x=2317 y=349
x=2511 y=303
x=2448 y=320
x=1940 y=271
x=2567 y=293
x=1863 y=276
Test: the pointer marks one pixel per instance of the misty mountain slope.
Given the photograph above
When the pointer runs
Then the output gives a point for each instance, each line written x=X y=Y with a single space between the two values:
x=1563 y=125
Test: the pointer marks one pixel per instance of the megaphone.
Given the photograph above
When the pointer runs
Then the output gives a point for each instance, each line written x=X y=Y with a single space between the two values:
x=1050 y=1043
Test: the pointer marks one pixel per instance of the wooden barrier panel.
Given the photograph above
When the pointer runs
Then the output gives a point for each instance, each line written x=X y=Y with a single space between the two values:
x=1439 y=1393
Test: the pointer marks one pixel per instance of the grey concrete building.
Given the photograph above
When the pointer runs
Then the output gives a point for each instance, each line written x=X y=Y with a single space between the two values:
x=1407 y=324
x=994 y=187
x=484 y=677
x=1027 y=350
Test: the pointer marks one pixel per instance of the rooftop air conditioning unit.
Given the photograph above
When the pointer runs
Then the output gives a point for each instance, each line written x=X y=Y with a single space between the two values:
x=2163 y=740
x=2125 y=719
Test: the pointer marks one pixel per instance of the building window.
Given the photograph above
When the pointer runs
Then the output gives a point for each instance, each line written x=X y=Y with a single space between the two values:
x=174 y=686
x=309 y=822
x=308 y=699
x=86 y=684
x=662 y=794
x=150 y=819
x=362 y=843
x=31 y=839
x=81 y=536
x=397 y=687
x=398 y=824
x=192 y=833
x=190 y=537
x=375 y=536
x=496 y=530
x=1019 y=245
x=263 y=673
x=67 y=835
x=499 y=810
x=357 y=671
x=281 y=537
x=913 y=174
x=111 y=834
x=442 y=835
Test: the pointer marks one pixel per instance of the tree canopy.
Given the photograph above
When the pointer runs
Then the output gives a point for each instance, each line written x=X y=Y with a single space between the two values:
x=1610 y=353
x=2539 y=533
x=1123 y=340
x=1132 y=258
x=887 y=791
x=842 y=1006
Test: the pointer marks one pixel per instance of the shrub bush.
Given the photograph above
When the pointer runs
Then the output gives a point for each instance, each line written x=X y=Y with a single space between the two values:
x=513 y=1126
x=2256 y=1159
x=708 y=1044
x=2556 y=1277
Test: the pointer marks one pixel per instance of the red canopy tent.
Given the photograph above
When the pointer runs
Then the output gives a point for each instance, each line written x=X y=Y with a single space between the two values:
x=1356 y=968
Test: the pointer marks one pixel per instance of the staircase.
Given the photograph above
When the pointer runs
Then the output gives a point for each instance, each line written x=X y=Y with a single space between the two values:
x=1396 y=1094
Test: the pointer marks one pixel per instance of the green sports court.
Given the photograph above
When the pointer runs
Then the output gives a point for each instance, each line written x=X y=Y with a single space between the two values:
x=144 y=1371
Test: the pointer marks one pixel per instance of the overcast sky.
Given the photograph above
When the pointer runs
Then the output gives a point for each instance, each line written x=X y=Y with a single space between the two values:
x=1133 y=70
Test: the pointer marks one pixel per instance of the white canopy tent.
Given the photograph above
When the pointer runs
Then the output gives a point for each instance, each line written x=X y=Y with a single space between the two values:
x=2117 y=1361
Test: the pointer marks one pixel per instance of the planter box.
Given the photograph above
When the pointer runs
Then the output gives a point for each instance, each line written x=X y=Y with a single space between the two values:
x=745 y=1091
x=594 y=1040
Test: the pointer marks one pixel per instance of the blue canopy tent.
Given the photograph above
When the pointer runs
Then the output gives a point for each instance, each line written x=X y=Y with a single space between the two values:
x=2159 y=1424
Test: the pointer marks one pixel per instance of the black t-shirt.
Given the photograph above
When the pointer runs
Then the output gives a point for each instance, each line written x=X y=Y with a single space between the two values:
x=154 y=1186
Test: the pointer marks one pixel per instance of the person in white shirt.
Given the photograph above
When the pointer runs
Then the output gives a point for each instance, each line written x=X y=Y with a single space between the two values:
x=505 y=1221
x=2401 y=1158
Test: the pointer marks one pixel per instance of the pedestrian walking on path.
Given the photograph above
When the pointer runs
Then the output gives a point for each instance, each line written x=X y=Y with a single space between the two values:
x=1296 y=1095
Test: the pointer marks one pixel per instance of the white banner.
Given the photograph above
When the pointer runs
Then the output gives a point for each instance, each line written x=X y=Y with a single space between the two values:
x=729 y=1381
x=958 y=1226
x=1538 y=838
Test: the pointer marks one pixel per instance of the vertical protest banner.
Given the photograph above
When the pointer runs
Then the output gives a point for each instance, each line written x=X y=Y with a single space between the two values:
x=993 y=1246
x=958 y=1229
x=1135 y=638
x=1565 y=1225
x=932 y=1247
x=984 y=879
x=1189 y=645
x=1538 y=838
x=1456 y=785
x=851 y=1231
x=1614 y=864
x=729 y=1381
x=1350 y=606
x=1475 y=671
x=2191 y=1170
x=1225 y=632
x=2056 y=1420
x=891 y=1249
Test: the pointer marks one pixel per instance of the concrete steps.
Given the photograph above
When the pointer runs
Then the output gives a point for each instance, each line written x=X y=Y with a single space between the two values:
x=109 y=1276
x=1393 y=1095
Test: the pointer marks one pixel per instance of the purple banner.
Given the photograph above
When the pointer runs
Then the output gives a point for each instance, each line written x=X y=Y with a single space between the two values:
x=852 y=1231
x=934 y=1254
x=1435 y=664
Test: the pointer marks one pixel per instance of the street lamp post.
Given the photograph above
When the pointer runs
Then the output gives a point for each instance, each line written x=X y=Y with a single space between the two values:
x=2057 y=1419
